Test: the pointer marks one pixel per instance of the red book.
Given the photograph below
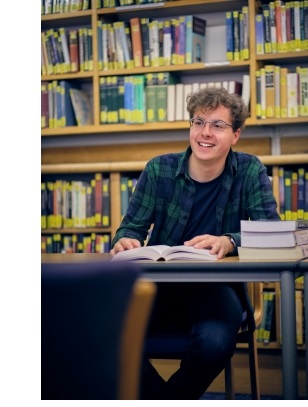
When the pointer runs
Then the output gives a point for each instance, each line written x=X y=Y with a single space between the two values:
x=74 y=50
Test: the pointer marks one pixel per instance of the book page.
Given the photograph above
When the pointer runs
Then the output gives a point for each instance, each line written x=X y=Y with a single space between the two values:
x=188 y=253
x=141 y=253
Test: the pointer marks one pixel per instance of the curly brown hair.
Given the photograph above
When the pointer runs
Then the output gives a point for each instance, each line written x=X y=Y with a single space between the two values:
x=209 y=99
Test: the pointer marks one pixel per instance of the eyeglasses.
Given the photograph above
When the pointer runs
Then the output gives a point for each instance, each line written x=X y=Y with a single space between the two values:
x=216 y=126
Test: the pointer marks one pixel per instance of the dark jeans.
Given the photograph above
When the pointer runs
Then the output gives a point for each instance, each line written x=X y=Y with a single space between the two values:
x=210 y=315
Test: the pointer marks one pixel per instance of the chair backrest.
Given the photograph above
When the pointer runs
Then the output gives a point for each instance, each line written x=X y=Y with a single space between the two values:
x=133 y=338
x=83 y=314
x=255 y=290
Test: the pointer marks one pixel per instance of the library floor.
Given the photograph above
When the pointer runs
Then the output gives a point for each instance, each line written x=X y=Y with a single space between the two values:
x=221 y=396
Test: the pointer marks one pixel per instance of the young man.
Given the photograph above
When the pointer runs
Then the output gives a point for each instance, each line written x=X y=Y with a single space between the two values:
x=198 y=198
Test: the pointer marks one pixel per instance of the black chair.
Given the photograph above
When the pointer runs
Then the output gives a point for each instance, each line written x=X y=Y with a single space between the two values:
x=86 y=318
x=173 y=347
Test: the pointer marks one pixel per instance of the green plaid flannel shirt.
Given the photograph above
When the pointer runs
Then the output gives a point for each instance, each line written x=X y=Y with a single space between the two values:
x=165 y=193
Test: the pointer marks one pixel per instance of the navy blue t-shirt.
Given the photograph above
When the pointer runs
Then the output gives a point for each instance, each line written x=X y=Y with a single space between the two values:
x=202 y=219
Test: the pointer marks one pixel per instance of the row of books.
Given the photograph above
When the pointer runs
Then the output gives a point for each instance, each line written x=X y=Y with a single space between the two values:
x=64 y=6
x=75 y=243
x=155 y=97
x=146 y=42
x=282 y=27
x=66 y=50
x=237 y=34
x=75 y=204
x=273 y=240
x=63 y=104
x=281 y=92
x=119 y=3
x=267 y=331
x=293 y=193
x=127 y=185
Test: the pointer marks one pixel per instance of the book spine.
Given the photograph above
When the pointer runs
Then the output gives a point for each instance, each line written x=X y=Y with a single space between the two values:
x=98 y=199
x=269 y=317
x=288 y=194
x=144 y=26
x=229 y=36
x=283 y=92
x=266 y=27
x=246 y=50
x=167 y=42
x=292 y=94
x=301 y=193
x=258 y=94
x=136 y=41
x=294 y=194
x=277 y=91
x=259 y=34
x=303 y=91
x=270 y=90
x=272 y=19
x=281 y=193
x=306 y=196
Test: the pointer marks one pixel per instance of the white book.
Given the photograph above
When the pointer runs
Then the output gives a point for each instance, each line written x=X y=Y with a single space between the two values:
x=65 y=48
x=195 y=87
x=292 y=94
x=179 y=97
x=246 y=89
x=266 y=225
x=171 y=102
x=186 y=92
x=203 y=85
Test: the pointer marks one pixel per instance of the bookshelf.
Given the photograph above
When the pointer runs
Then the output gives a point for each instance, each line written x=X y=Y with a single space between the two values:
x=120 y=148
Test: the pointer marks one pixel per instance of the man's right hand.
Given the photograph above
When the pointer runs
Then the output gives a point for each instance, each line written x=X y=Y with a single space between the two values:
x=124 y=243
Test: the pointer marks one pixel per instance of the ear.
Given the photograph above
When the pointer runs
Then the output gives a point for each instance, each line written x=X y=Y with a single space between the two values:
x=236 y=136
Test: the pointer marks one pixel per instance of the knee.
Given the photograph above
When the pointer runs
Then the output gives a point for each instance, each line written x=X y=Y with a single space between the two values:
x=214 y=343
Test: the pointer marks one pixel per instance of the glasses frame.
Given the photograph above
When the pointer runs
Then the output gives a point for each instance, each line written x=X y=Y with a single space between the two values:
x=191 y=122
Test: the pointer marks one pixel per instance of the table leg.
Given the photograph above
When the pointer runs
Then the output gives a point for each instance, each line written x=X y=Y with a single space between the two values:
x=288 y=332
x=306 y=325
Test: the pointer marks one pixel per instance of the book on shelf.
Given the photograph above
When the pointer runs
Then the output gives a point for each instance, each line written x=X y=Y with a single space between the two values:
x=301 y=193
x=136 y=41
x=277 y=91
x=195 y=39
x=283 y=92
x=266 y=28
x=229 y=36
x=300 y=323
x=273 y=253
x=246 y=89
x=269 y=317
x=272 y=21
x=270 y=90
x=82 y=106
x=292 y=94
x=294 y=194
x=44 y=105
x=267 y=225
x=166 y=253
x=259 y=34
x=145 y=39
x=274 y=239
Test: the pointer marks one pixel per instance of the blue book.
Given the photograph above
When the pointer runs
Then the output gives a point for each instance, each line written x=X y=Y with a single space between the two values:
x=68 y=116
x=301 y=193
x=195 y=39
x=229 y=36
x=259 y=34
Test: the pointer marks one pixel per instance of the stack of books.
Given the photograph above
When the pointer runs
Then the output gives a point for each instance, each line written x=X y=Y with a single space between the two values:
x=273 y=240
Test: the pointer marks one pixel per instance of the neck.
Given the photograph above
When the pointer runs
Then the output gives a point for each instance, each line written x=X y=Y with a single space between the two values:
x=204 y=171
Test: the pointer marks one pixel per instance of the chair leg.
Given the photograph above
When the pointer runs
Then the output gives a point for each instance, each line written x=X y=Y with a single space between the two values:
x=254 y=366
x=229 y=381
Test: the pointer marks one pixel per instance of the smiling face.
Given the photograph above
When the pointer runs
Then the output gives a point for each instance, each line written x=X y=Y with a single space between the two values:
x=210 y=146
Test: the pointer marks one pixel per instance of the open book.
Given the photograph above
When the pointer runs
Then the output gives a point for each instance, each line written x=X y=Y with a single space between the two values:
x=163 y=252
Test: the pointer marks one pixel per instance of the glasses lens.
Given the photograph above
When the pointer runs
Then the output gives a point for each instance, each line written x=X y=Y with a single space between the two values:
x=218 y=125
x=198 y=123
